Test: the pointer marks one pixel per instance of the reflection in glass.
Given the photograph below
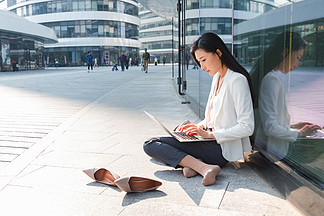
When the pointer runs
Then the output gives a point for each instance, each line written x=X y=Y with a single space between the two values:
x=275 y=135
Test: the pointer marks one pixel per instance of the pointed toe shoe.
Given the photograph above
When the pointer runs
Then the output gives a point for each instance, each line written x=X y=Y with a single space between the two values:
x=102 y=175
x=137 y=184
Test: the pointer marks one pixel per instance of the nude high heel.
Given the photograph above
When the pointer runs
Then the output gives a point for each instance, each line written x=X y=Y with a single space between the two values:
x=102 y=175
x=137 y=184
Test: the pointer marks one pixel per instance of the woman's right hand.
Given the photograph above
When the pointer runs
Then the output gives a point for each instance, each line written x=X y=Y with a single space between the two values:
x=308 y=129
x=188 y=129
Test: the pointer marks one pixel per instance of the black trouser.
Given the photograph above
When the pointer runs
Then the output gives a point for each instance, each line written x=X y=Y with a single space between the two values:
x=171 y=151
x=90 y=65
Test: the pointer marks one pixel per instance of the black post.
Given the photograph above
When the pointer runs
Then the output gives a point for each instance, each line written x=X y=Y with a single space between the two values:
x=179 y=81
x=172 y=46
x=184 y=53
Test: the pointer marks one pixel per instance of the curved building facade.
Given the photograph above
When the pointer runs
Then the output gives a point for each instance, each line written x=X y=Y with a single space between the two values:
x=158 y=35
x=106 y=27
x=219 y=16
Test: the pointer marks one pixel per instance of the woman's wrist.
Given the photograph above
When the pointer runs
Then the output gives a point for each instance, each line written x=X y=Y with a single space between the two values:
x=211 y=135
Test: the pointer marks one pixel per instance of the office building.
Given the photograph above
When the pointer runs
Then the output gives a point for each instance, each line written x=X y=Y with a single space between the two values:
x=158 y=35
x=106 y=27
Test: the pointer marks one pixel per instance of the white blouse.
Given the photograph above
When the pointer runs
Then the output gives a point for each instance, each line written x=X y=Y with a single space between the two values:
x=230 y=115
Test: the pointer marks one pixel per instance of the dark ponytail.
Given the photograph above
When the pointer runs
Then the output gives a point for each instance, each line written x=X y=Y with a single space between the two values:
x=284 y=43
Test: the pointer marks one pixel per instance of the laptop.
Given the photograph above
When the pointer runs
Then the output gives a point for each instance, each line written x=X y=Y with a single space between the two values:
x=180 y=136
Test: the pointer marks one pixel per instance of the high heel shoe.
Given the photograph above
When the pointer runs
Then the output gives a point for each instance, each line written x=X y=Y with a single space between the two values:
x=137 y=184
x=102 y=175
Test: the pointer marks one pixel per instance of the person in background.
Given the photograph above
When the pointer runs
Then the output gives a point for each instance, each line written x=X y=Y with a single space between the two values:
x=163 y=59
x=127 y=61
x=90 y=60
x=145 y=59
x=155 y=61
x=229 y=117
x=123 y=61
x=56 y=62
x=115 y=66
x=96 y=63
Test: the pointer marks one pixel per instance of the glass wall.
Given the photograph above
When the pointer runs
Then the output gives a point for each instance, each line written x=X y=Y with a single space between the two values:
x=244 y=5
x=286 y=63
x=283 y=49
x=73 y=56
x=74 y=28
x=218 y=25
x=20 y=53
x=93 y=28
x=58 y=6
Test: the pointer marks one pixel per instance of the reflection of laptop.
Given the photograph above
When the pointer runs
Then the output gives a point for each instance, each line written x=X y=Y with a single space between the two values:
x=180 y=136
x=319 y=134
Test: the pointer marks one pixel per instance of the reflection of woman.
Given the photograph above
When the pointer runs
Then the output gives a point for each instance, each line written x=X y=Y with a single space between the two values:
x=228 y=116
x=275 y=132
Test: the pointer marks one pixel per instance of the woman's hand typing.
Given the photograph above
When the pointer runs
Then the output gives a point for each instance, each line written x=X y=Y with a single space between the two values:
x=192 y=129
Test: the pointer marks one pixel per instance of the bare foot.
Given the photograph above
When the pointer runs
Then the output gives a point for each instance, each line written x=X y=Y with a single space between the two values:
x=187 y=172
x=210 y=175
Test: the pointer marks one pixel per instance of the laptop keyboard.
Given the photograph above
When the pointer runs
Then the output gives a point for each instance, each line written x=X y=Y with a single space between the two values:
x=185 y=136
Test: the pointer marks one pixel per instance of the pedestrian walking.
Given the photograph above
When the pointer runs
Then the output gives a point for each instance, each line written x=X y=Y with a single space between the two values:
x=146 y=59
x=127 y=61
x=90 y=60
x=163 y=59
x=56 y=63
x=123 y=61
x=155 y=61
x=96 y=63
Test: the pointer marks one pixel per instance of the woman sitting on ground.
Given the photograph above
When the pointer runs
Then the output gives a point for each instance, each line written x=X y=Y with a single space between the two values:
x=228 y=116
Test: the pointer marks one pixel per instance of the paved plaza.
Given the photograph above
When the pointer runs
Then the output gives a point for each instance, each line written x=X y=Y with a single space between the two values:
x=56 y=122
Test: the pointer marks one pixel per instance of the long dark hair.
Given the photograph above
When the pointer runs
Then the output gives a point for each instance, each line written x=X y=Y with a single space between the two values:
x=210 y=42
x=284 y=43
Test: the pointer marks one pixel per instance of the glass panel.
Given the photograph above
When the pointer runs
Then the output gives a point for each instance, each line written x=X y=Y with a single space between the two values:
x=75 y=5
x=81 y=5
x=88 y=5
x=285 y=57
x=59 y=6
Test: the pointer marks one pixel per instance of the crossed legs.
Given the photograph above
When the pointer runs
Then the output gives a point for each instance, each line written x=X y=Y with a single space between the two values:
x=208 y=171
x=204 y=158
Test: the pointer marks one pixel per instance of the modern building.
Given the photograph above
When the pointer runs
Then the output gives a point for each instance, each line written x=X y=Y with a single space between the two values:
x=196 y=18
x=22 y=42
x=219 y=16
x=106 y=27
x=158 y=35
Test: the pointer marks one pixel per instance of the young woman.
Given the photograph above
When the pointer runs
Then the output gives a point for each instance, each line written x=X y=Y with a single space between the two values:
x=228 y=116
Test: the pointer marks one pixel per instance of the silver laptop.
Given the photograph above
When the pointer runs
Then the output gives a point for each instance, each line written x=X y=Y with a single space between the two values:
x=180 y=136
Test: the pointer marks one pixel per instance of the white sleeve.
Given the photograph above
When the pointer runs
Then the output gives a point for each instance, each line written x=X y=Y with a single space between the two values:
x=240 y=91
x=269 y=100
